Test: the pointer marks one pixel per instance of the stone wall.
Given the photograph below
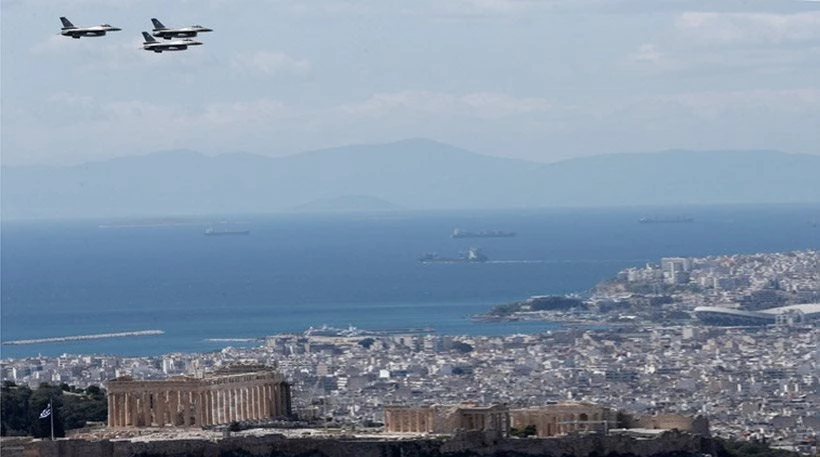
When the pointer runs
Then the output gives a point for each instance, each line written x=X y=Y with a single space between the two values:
x=563 y=418
x=446 y=419
x=466 y=445
x=698 y=424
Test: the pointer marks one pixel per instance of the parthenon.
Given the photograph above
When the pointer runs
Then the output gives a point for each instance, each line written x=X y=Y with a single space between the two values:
x=244 y=393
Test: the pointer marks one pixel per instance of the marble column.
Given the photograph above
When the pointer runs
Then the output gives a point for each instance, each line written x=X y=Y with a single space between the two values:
x=237 y=408
x=223 y=406
x=257 y=411
x=209 y=408
x=121 y=409
x=127 y=409
x=266 y=397
x=213 y=407
x=185 y=407
x=162 y=408
x=243 y=403
x=252 y=403
x=218 y=406
x=198 y=408
x=246 y=396
x=280 y=399
x=274 y=399
x=135 y=409
x=231 y=405
x=110 y=410
x=191 y=408
x=175 y=404
x=240 y=410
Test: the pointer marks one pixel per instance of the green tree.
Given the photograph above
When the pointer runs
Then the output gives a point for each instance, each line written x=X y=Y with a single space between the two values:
x=80 y=408
x=366 y=343
x=505 y=309
x=95 y=392
x=556 y=302
x=14 y=406
x=72 y=407
x=462 y=347
x=732 y=448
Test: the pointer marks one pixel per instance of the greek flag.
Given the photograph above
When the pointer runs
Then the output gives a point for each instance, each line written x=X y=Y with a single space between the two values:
x=46 y=412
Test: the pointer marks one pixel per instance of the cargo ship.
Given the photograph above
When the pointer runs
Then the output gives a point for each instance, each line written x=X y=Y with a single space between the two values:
x=458 y=233
x=665 y=220
x=225 y=232
x=473 y=255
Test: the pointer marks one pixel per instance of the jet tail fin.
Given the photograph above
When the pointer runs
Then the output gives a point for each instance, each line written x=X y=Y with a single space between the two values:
x=66 y=23
x=148 y=37
x=157 y=24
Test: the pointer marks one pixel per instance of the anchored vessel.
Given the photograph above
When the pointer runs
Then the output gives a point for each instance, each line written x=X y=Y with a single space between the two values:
x=665 y=220
x=473 y=255
x=225 y=232
x=458 y=233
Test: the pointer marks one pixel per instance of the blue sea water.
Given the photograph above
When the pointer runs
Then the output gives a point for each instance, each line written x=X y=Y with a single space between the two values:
x=294 y=271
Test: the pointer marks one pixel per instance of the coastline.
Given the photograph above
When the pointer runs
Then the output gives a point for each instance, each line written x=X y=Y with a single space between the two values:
x=73 y=278
x=674 y=287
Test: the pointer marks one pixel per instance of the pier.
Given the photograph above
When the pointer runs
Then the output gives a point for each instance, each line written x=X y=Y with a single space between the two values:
x=96 y=336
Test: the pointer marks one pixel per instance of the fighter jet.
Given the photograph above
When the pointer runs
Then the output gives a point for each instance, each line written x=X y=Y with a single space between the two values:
x=182 y=32
x=151 y=44
x=73 y=31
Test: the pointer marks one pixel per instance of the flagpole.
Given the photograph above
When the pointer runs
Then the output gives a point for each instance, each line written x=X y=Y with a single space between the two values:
x=51 y=407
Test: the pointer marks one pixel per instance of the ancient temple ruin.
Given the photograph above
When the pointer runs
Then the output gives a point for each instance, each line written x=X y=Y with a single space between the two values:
x=242 y=393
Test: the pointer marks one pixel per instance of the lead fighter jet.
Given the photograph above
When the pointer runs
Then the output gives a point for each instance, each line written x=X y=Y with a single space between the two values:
x=151 y=44
x=182 y=32
x=73 y=31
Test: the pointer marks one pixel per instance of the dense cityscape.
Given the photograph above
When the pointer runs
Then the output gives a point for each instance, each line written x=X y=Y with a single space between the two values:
x=748 y=381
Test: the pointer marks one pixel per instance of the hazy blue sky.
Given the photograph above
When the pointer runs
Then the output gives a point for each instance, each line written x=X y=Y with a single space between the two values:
x=534 y=79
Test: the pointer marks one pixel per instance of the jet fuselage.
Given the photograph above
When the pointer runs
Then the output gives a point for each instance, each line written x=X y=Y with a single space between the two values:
x=77 y=32
x=161 y=31
x=182 y=32
x=175 y=45
x=69 y=29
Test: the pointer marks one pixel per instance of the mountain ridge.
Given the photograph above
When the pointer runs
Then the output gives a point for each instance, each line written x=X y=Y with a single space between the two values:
x=410 y=174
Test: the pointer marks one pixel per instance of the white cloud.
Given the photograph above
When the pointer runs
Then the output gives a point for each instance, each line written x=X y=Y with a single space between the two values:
x=522 y=8
x=770 y=103
x=646 y=53
x=752 y=43
x=137 y=112
x=71 y=99
x=269 y=63
x=709 y=28
x=254 y=113
x=213 y=117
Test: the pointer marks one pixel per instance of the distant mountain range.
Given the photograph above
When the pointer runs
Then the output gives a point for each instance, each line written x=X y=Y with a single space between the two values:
x=411 y=174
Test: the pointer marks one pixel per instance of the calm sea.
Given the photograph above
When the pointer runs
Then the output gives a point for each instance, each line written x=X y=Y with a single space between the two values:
x=294 y=271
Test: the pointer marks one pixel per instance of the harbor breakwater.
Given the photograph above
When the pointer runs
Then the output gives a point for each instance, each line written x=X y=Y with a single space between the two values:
x=95 y=336
x=668 y=444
